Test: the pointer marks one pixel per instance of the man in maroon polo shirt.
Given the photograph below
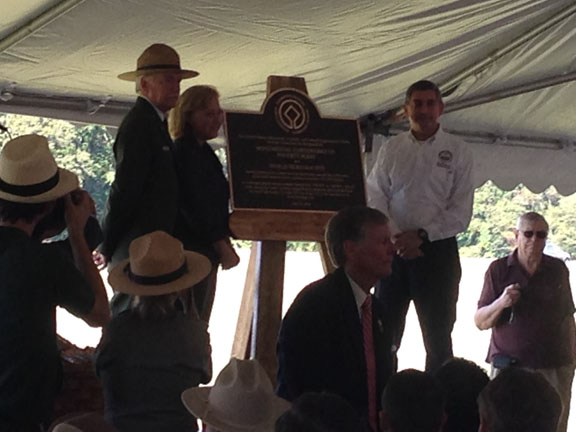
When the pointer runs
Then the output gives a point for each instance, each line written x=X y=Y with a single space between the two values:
x=527 y=302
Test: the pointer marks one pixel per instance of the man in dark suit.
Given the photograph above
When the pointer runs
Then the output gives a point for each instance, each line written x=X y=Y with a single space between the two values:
x=334 y=338
x=144 y=195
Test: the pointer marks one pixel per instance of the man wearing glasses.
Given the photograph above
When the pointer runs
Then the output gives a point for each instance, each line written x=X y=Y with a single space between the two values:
x=527 y=302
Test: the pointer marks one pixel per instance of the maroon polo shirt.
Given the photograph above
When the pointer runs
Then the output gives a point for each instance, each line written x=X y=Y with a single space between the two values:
x=542 y=331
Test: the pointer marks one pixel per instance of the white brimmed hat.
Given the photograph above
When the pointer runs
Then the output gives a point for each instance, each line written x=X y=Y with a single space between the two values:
x=29 y=174
x=157 y=265
x=64 y=427
x=155 y=59
x=241 y=400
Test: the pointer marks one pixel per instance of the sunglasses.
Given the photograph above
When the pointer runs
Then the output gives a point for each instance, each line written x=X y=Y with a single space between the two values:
x=539 y=234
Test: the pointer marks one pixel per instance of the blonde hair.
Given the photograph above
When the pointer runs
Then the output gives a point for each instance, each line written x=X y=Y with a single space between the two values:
x=193 y=99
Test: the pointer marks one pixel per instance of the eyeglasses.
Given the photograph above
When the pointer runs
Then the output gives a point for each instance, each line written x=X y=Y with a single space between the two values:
x=539 y=234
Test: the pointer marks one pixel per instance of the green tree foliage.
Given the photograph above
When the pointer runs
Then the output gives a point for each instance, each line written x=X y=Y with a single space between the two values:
x=490 y=232
x=84 y=149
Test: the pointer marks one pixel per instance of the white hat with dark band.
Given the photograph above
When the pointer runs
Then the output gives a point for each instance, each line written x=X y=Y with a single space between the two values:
x=29 y=174
x=158 y=264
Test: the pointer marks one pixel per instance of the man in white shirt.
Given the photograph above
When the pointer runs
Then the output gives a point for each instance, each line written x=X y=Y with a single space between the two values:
x=422 y=180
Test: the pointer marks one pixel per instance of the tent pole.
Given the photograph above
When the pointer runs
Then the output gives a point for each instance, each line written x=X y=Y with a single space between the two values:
x=37 y=23
x=525 y=141
x=384 y=119
x=509 y=92
x=501 y=52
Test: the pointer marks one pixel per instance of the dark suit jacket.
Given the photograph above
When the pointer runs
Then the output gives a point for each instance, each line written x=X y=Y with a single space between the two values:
x=204 y=195
x=320 y=347
x=144 y=194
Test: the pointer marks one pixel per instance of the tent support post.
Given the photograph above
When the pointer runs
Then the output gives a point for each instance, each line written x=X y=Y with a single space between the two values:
x=479 y=66
x=37 y=23
x=509 y=92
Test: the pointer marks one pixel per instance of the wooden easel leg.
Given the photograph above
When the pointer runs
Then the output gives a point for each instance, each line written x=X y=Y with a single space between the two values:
x=240 y=346
x=268 y=304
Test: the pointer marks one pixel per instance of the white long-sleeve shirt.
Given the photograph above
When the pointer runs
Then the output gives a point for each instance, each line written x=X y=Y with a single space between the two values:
x=424 y=184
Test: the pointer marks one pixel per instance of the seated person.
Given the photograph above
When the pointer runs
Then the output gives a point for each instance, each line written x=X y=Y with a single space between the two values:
x=86 y=422
x=36 y=278
x=319 y=412
x=518 y=400
x=412 y=402
x=241 y=400
x=462 y=381
x=150 y=353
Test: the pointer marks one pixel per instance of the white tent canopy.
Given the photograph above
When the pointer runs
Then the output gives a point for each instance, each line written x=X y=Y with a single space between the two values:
x=507 y=66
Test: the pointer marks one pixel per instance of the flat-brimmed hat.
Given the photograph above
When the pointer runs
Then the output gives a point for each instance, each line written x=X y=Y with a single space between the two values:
x=155 y=59
x=157 y=265
x=241 y=400
x=29 y=174
x=85 y=422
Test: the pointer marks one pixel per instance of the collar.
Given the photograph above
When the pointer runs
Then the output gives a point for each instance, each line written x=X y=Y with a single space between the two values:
x=160 y=113
x=513 y=260
x=438 y=135
x=359 y=294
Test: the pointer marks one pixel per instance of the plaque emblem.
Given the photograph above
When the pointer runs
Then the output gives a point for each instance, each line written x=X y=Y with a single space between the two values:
x=292 y=114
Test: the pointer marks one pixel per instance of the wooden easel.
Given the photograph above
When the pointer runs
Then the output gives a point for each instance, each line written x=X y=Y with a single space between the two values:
x=261 y=309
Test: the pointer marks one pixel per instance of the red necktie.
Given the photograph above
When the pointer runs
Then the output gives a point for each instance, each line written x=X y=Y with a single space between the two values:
x=368 y=337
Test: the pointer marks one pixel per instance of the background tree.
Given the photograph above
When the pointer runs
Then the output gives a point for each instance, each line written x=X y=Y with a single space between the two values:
x=84 y=149
x=87 y=151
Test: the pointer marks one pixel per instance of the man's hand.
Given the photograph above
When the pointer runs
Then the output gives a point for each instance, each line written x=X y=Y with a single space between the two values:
x=100 y=260
x=408 y=244
x=79 y=206
x=228 y=256
x=510 y=295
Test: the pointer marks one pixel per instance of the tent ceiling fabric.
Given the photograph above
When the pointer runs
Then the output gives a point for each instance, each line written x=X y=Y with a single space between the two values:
x=357 y=58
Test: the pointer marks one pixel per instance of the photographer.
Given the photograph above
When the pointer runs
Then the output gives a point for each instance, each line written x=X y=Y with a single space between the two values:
x=36 y=278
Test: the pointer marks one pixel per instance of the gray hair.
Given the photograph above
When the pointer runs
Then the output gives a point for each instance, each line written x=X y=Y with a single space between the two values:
x=348 y=224
x=531 y=217
x=138 y=84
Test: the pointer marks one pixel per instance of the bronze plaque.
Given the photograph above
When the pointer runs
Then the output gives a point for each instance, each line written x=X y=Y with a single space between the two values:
x=289 y=158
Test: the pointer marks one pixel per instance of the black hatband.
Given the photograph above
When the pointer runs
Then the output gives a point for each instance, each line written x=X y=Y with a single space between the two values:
x=156 y=280
x=30 y=190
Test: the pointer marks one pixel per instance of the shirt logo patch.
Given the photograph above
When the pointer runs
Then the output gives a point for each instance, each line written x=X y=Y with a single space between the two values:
x=444 y=159
x=165 y=148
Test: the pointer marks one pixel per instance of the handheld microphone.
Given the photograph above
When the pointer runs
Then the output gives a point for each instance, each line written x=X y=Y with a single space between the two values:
x=512 y=308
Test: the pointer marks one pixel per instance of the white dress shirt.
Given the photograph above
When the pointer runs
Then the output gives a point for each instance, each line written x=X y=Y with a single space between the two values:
x=359 y=294
x=424 y=184
x=161 y=114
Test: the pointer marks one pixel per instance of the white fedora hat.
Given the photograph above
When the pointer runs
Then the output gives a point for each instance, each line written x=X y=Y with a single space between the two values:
x=241 y=400
x=65 y=427
x=155 y=59
x=29 y=174
x=157 y=265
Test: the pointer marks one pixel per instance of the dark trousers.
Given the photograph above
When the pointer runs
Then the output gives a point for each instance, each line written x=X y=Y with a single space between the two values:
x=431 y=282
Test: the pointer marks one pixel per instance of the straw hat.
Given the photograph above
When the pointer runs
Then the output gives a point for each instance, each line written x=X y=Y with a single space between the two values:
x=158 y=264
x=65 y=427
x=155 y=59
x=85 y=422
x=29 y=174
x=241 y=400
